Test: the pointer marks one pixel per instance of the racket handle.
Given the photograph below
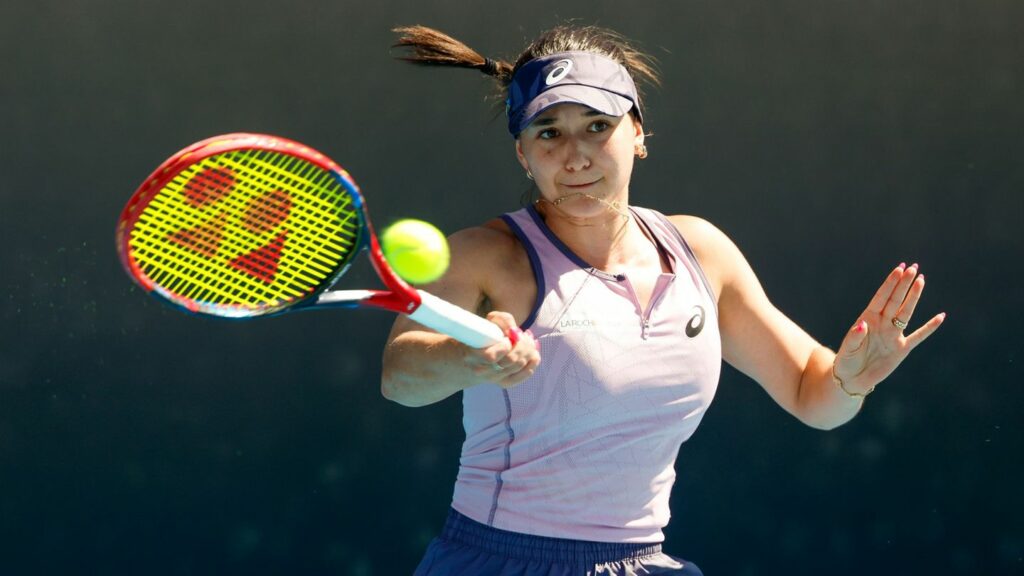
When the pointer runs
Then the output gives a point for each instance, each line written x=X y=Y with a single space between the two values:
x=456 y=322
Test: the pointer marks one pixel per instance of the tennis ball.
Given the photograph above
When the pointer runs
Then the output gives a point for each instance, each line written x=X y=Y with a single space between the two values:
x=416 y=250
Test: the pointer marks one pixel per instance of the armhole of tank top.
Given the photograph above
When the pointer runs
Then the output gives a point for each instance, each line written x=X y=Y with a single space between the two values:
x=538 y=271
x=663 y=250
x=689 y=254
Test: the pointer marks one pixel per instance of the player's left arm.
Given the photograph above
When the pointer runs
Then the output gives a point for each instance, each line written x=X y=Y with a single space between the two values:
x=795 y=370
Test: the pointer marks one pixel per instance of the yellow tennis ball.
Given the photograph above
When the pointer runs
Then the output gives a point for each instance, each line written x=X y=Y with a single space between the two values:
x=416 y=250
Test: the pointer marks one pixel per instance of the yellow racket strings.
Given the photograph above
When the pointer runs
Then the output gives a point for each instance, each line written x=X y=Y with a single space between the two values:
x=249 y=229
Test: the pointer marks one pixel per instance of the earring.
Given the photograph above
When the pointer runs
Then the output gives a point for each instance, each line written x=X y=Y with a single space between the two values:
x=529 y=174
x=641 y=151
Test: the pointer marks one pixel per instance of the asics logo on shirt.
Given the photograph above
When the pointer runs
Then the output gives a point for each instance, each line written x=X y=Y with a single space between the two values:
x=696 y=323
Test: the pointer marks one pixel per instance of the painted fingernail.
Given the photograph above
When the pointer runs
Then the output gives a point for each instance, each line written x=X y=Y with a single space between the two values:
x=859 y=328
x=902 y=265
x=942 y=316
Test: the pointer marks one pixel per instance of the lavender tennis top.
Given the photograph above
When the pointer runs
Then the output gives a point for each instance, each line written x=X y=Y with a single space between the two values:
x=585 y=448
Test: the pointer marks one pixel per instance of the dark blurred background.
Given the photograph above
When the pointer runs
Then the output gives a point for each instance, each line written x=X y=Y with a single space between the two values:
x=831 y=139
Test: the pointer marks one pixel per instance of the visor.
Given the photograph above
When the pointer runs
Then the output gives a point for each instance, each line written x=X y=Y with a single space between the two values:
x=595 y=81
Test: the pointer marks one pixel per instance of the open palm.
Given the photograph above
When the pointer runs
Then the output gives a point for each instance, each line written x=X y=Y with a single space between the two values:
x=876 y=344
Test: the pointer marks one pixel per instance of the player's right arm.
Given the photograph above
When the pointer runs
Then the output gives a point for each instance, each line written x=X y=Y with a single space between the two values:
x=421 y=367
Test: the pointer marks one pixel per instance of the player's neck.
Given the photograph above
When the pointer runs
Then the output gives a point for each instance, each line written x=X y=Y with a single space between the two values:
x=608 y=241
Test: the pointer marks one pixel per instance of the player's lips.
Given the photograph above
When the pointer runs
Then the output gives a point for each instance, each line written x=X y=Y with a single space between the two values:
x=580 y=186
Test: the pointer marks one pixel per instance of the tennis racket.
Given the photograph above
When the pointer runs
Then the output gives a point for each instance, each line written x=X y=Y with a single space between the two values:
x=245 y=225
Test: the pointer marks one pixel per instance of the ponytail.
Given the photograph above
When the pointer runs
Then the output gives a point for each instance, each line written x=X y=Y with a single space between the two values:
x=431 y=47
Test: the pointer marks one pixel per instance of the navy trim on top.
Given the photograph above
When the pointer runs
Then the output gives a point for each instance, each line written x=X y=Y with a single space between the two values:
x=693 y=257
x=499 y=482
x=663 y=251
x=538 y=272
x=555 y=239
x=557 y=242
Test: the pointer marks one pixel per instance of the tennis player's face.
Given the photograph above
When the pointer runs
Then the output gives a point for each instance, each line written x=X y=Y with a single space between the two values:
x=579 y=154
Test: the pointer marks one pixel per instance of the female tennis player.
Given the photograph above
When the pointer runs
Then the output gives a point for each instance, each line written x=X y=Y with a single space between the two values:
x=568 y=461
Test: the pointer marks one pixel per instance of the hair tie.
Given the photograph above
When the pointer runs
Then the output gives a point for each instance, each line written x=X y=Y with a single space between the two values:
x=490 y=67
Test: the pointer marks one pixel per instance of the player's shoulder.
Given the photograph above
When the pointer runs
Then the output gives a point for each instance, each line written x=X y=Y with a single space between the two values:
x=489 y=257
x=699 y=233
x=715 y=251
x=487 y=248
x=492 y=238
x=691 y=222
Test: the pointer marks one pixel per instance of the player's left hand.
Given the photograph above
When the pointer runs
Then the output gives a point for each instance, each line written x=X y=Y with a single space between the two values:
x=876 y=344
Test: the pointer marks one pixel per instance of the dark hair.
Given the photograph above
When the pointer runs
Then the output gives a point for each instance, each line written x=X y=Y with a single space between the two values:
x=431 y=47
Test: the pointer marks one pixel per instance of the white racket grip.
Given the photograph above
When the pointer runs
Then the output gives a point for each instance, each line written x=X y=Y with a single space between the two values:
x=461 y=324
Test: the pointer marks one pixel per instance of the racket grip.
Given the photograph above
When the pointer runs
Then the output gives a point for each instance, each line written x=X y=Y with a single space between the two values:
x=460 y=324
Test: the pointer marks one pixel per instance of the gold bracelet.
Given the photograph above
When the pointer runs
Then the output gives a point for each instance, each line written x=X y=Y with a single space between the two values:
x=839 y=382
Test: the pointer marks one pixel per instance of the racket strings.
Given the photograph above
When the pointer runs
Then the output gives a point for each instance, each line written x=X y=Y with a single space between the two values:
x=295 y=182
x=257 y=264
x=207 y=233
x=249 y=229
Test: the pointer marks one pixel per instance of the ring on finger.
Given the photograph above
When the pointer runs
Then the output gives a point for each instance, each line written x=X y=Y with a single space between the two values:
x=899 y=323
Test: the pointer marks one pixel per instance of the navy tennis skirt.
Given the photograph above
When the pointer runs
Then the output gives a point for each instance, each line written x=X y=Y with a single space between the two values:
x=469 y=547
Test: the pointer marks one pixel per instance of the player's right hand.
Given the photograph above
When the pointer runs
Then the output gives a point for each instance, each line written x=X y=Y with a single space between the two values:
x=506 y=364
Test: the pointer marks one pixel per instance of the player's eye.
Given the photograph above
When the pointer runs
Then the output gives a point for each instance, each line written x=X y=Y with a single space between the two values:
x=547 y=134
x=599 y=126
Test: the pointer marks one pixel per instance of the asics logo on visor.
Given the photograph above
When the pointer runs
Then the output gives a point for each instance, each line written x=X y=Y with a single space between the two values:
x=561 y=70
